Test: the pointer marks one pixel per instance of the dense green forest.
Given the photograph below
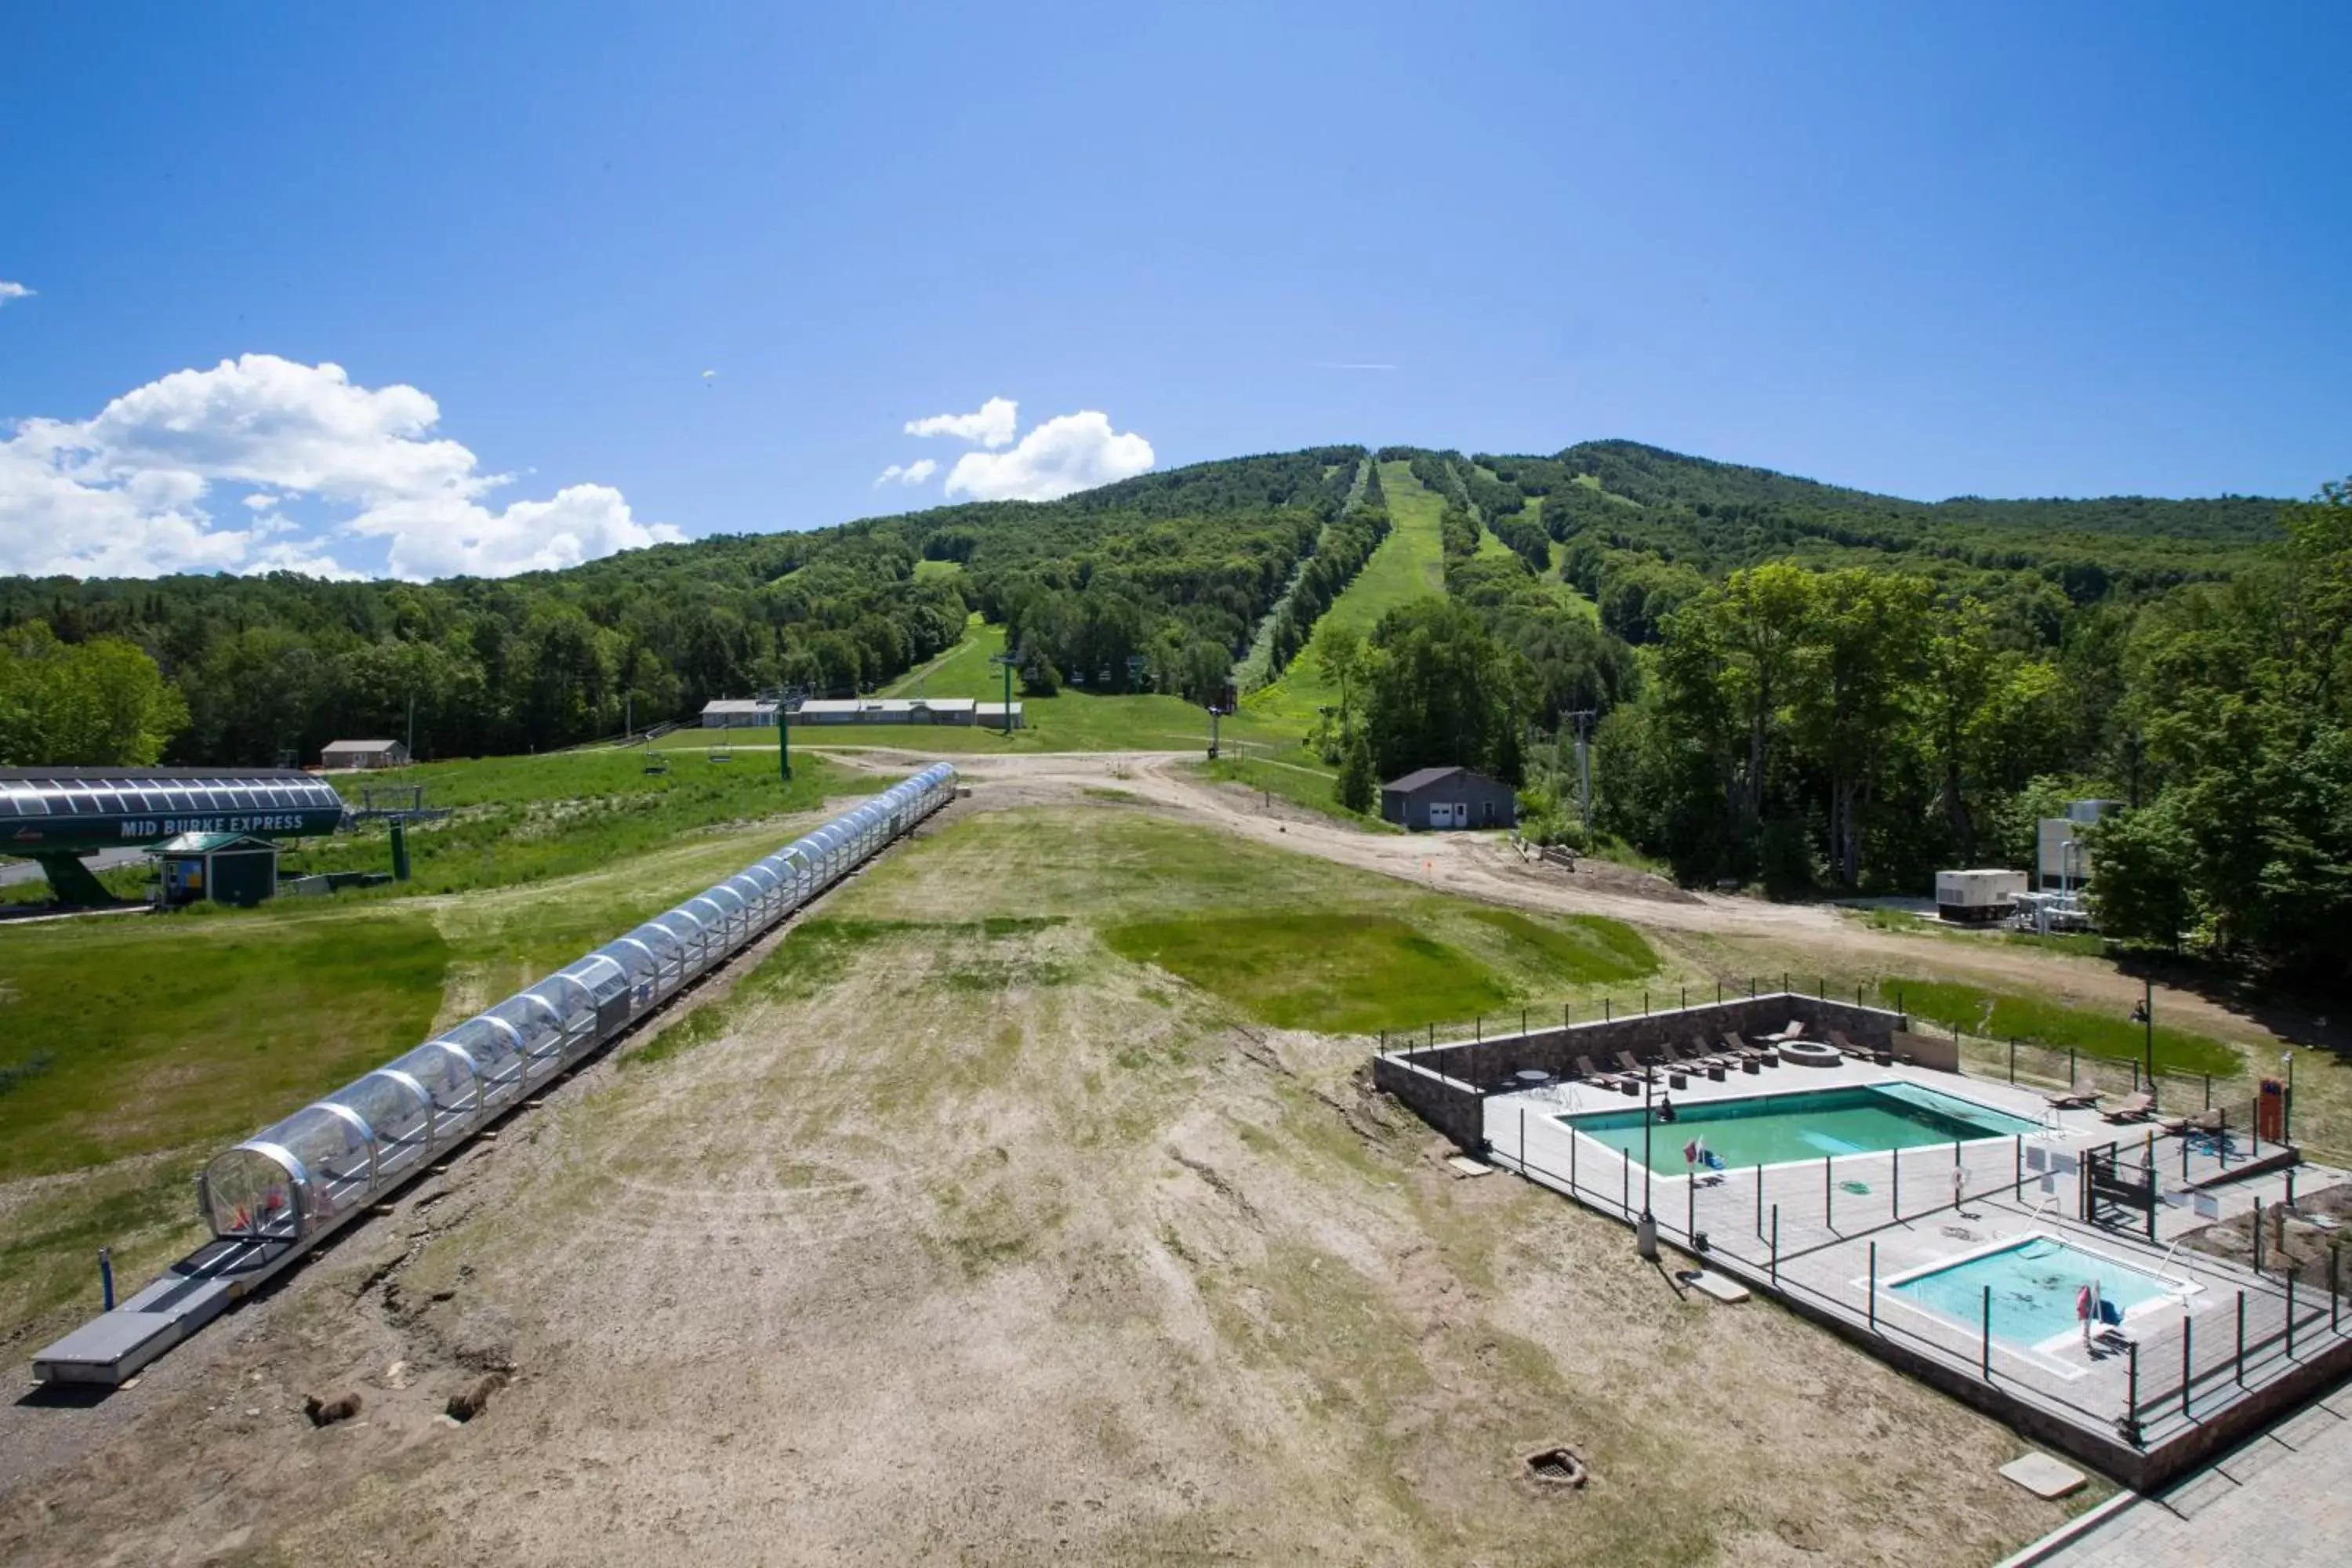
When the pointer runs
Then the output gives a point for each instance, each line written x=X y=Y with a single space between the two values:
x=1174 y=569
x=1819 y=688
x=1793 y=683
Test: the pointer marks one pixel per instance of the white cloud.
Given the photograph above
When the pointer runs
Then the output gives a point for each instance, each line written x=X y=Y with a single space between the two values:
x=1072 y=452
x=122 y=494
x=13 y=291
x=991 y=427
x=913 y=473
x=435 y=537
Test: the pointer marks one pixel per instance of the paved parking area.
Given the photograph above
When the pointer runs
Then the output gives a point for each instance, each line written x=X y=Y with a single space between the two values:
x=2283 y=1500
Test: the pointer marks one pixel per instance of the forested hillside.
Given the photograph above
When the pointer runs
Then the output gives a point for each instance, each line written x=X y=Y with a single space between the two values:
x=1793 y=683
x=1175 y=569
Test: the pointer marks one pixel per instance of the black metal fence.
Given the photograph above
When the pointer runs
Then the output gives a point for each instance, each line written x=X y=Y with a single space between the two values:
x=1771 y=1220
x=1610 y=1007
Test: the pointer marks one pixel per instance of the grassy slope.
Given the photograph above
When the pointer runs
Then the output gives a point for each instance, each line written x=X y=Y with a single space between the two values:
x=964 y=670
x=131 y=1048
x=1303 y=781
x=524 y=819
x=1319 y=946
x=2000 y=1015
x=1409 y=563
x=1073 y=720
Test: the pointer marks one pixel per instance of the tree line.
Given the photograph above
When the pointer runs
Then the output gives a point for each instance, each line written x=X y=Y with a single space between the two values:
x=1173 y=570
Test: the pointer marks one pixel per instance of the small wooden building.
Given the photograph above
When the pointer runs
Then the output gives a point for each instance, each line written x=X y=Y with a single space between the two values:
x=364 y=754
x=1447 y=798
x=225 y=867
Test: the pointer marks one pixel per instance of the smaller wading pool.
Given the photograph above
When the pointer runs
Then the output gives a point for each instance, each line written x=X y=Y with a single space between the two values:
x=1774 y=1128
x=2035 y=1281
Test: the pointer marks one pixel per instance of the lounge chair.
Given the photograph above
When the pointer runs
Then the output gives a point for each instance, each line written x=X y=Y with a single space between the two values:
x=2071 y=1099
x=2181 y=1126
x=1593 y=1075
x=1882 y=1057
x=2131 y=1108
x=1734 y=1046
x=1633 y=1066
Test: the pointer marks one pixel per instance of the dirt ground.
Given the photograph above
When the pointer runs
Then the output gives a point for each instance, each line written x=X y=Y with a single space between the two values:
x=2291 y=1240
x=989 y=1247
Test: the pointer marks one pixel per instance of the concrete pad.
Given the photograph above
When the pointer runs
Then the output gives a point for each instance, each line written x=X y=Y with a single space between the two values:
x=2044 y=1476
x=2298 y=1430
x=2198 y=1493
x=2254 y=1458
x=1716 y=1286
x=1463 y=1165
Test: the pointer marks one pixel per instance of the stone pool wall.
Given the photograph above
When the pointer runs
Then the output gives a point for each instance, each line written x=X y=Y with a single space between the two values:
x=1445 y=1083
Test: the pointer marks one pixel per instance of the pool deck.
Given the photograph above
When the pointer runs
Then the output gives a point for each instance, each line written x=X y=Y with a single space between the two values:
x=1810 y=1233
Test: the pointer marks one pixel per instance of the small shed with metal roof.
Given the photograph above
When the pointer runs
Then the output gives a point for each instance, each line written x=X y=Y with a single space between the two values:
x=1449 y=797
x=225 y=867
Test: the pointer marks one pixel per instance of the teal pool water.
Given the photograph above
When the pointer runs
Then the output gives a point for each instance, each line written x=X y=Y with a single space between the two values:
x=2034 y=1285
x=1770 y=1129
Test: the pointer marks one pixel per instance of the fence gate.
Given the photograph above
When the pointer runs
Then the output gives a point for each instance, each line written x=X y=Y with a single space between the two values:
x=2119 y=1192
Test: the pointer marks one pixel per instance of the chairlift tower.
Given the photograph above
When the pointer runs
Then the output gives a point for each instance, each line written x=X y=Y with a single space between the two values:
x=783 y=697
x=1008 y=658
x=398 y=804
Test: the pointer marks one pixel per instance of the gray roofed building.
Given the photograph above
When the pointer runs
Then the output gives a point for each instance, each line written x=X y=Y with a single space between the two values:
x=1449 y=797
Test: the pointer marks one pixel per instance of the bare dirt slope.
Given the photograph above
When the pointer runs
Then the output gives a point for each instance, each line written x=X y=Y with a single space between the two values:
x=963 y=1242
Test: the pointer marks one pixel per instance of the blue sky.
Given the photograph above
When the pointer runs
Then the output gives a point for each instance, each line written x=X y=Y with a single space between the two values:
x=2009 y=250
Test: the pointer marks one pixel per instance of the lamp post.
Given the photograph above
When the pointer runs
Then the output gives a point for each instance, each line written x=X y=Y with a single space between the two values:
x=2144 y=1015
x=1645 y=1230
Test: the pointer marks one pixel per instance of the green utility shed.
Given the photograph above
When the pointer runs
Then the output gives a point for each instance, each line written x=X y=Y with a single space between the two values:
x=227 y=868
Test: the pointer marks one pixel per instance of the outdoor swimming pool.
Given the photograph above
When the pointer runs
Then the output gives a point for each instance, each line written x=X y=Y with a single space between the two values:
x=1772 y=1128
x=2034 y=1283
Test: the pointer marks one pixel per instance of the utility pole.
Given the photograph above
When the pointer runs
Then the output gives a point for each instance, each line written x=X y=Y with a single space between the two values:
x=412 y=726
x=1583 y=717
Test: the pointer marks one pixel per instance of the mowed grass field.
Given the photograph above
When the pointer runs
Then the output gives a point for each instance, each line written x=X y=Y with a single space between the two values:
x=1408 y=564
x=1359 y=973
x=1280 y=938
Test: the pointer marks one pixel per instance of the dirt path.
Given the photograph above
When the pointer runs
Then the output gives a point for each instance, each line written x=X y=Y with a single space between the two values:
x=981 y=1247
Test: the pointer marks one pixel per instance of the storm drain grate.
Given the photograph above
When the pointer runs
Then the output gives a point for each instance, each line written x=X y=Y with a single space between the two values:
x=1555 y=1468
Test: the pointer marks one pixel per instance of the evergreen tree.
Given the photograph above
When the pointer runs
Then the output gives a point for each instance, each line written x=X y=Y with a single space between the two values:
x=1358 y=789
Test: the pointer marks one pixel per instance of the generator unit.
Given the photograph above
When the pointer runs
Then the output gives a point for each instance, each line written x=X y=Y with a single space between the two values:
x=1978 y=898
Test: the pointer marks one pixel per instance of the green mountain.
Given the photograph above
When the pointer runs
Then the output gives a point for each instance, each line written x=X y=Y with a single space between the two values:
x=1159 y=583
